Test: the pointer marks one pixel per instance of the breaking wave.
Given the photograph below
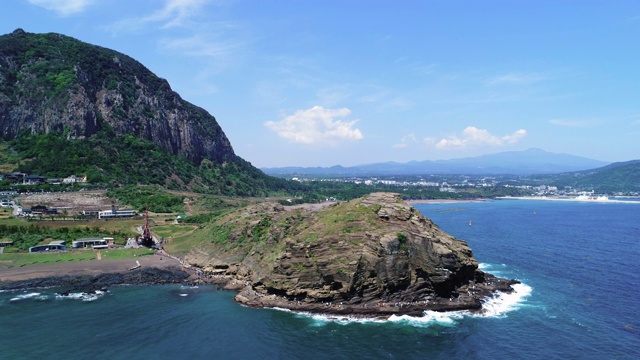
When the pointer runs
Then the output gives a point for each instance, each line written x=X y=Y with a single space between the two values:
x=29 y=296
x=494 y=307
x=88 y=296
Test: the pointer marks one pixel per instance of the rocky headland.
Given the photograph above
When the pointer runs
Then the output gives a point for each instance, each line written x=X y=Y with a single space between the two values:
x=54 y=83
x=374 y=256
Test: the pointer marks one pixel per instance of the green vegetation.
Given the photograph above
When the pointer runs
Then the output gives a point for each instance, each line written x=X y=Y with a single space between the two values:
x=23 y=259
x=402 y=240
x=152 y=198
x=25 y=236
x=110 y=161
x=617 y=177
x=56 y=61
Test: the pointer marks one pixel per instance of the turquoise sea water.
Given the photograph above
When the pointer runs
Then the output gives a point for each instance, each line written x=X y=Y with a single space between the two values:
x=580 y=263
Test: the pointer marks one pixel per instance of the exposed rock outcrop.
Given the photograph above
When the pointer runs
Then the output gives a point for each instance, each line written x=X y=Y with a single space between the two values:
x=51 y=82
x=372 y=256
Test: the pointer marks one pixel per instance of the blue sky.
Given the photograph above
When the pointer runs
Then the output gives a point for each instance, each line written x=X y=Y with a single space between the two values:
x=321 y=83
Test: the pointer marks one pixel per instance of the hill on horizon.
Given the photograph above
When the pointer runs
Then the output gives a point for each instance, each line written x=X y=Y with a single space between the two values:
x=615 y=177
x=527 y=162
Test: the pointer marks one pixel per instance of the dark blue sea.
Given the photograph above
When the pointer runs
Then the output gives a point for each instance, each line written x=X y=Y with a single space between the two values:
x=580 y=299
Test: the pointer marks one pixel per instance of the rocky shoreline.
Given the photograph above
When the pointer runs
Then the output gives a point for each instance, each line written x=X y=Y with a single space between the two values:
x=469 y=297
x=88 y=283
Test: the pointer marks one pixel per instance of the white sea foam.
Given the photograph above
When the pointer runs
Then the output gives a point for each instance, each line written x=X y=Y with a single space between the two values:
x=431 y=318
x=183 y=295
x=326 y=318
x=502 y=303
x=35 y=296
x=496 y=306
x=82 y=296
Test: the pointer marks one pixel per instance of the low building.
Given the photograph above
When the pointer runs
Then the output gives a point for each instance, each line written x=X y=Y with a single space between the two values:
x=43 y=210
x=57 y=245
x=5 y=243
x=113 y=213
x=90 y=212
x=94 y=243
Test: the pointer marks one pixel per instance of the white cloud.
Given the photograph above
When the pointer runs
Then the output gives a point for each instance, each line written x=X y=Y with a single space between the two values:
x=474 y=137
x=406 y=141
x=316 y=125
x=63 y=7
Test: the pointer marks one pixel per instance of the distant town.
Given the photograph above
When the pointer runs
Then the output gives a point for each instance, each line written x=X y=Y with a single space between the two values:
x=462 y=184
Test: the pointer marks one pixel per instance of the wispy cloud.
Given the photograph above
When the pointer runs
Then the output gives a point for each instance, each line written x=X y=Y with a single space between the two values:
x=316 y=125
x=63 y=7
x=199 y=45
x=474 y=137
x=183 y=29
x=174 y=13
x=514 y=79
x=406 y=141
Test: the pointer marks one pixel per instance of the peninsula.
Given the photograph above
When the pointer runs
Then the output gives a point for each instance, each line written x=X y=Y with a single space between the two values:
x=373 y=256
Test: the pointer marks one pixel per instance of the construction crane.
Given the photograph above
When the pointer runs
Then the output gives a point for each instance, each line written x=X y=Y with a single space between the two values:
x=146 y=239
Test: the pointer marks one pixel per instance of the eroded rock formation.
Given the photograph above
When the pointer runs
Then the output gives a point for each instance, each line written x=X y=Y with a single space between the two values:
x=375 y=255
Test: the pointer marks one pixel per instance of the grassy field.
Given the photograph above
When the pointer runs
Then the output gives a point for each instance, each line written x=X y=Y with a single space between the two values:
x=6 y=217
x=173 y=231
x=181 y=237
x=23 y=259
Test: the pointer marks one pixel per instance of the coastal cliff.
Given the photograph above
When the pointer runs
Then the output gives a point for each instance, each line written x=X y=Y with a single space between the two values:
x=54 y=83
x=375 y=255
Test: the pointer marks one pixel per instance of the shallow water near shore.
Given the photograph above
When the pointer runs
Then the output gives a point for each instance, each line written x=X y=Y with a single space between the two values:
x=578 y=263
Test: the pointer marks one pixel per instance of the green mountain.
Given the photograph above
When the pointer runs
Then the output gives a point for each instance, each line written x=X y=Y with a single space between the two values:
x=616 y=177
x=68 y=107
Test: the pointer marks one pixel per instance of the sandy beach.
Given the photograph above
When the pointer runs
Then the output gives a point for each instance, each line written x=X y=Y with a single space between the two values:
x=442 y=201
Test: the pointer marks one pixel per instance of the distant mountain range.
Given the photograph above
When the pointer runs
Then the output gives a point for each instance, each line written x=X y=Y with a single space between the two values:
x=527 y=162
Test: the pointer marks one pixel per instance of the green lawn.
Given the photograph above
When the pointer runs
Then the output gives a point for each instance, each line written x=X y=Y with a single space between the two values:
x=23 y=259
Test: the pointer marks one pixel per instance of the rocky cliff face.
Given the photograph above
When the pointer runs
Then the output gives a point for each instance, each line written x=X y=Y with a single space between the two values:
x=375 y=255
x=51 y=82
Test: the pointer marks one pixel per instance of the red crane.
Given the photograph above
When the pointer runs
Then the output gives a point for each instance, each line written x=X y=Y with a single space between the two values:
x=147 y=239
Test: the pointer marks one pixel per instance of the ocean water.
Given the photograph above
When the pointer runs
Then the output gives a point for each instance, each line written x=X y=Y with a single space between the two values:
x=580 y=299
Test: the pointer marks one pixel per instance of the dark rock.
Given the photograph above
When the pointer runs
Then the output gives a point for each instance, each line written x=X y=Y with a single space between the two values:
x=87 y=283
